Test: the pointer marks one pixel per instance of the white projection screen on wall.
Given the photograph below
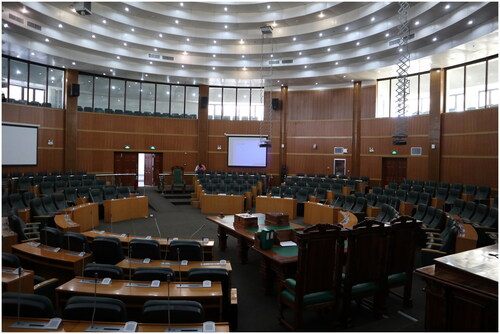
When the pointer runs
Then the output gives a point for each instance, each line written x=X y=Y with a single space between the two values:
x=245 y=151
x=19 y=144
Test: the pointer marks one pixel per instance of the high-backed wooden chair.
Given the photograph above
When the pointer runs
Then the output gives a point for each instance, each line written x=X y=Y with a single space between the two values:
x=403 y=236
x=319 y=269
x=178 y=178
x=365 y=266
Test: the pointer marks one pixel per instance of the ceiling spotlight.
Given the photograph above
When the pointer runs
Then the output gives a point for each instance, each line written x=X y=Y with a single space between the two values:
x=344 y=76
x=156 y=49
x=60 y=25
x=225 y=9
x=268 y=6
x=241 y=41
x=387 y=34
x=300 y=53
x=24 y=10
x=357 y=43
x=124 y=43
x=160 y=35
x=274 y=24
x=242 y=56
x=176 y=21
x=368 y=57
x=132 y=29
x=182 y=4
x=434 y=39
x=417 y=23
x=447 y=6
x=187 y=39
x=47 y=40
x=93 y=36
x=214 y=55
x=73 y=63
x=225 y=26
x=294 y=39
x=400 y=50
x=215 y=42
x=244 y=68
x=470 y=22
x=111 y=70
x=104 y=21
x=328 y=49
x=336 y=63
x=146 y=75
x=126 y=9
x=117 y=57
x=321 y=15
x=213 y=68
x=272 y=56
x=347 y=28
x=305 y=66
x=32 y=53
x=182 y=66
x=5 y=25
x=315 y=83
x=320 y=34
x=185 y=53
x=150 y=63
x=372 y=19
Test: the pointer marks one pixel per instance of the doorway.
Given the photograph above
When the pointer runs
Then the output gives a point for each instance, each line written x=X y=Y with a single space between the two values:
x=149 y=168
x=125 y=163
x=393 y=170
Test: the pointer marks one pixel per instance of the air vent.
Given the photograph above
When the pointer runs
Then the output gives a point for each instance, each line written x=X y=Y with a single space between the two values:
x=153 y=56
x=34 y=26
x=167 y=58
x=338 y=150
x=416 y=151
x=16 y=18
x=287 y=61
x=274 y=62
x=396 y=41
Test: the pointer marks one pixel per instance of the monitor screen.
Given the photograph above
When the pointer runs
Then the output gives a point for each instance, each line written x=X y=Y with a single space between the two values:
x=245 y=151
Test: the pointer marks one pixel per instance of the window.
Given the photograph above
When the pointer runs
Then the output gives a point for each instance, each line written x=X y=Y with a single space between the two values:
x=18 y=89
x=425 y=96
x=38 y=82
x=475 y=82
x=383 y=99
x=455 y=89
x=257 y=104
x=192 y=96
x=55 y=95
x=148 y=97
x=229 y=107
x=86 y=90
x=177 y=104
x=215 y=103
x=101 y=93
x=243 y=106
x=133 y=96
x=492 y=93
x=162 y=99
x=117 y=95
x=412 y=101
x=5 y=77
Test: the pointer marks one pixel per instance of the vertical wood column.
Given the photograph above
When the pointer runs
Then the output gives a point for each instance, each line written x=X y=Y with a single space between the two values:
x=70 y=123
x=436 y=109
x=283 y=132
x=203 y=127
x=356 y=129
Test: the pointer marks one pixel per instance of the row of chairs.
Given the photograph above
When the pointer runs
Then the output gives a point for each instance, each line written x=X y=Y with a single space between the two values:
x=215 y=173
x=367 y=260
x=481 y=193
x=228 y=189
x=45 y=173
x=472 y=212
x=329 y=176
x=85 y=308
x=48 y=188
x=135 y=113
x=29 y=103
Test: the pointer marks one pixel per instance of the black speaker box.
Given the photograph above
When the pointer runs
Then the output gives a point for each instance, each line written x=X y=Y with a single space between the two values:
x=74 y=90
x=203 y=101
x=275 y=104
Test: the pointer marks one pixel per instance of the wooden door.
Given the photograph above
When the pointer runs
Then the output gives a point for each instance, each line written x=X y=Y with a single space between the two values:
x=126 y=163
x=153 y=163
x=393 y=170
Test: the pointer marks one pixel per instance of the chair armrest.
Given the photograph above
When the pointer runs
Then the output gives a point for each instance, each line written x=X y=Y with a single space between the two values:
x=434 y=244
x=430 y=229
x=427 y=250
x=46 y=283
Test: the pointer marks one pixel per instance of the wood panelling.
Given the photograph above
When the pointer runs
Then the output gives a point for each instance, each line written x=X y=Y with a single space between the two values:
x=356 y=128
x=320 y=104
x=436 y=109
x=342 y=128
x=71 y=122
x=314 y=163
x=368 y=101
x=470 y=121
x=470 y=145
x=203 y=126
x=45 y=117
x=470 y=171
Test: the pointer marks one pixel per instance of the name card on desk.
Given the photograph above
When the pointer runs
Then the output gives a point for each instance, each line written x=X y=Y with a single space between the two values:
x=53 y=324
x=34 y=244
x=105 y=281
x=220 y=263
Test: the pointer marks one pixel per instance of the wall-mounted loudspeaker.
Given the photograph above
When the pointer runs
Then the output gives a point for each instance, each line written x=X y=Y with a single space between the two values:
x=74 y=90
x=275 y=104
x=203 y=101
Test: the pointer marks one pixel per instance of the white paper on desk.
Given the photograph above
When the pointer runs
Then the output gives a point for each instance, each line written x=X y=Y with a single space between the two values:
x=287 y=243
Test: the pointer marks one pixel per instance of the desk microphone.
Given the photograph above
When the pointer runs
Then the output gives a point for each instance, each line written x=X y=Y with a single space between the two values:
x=95 y=298
x=157 y=227
x=179 y=260
x=19 y=272
x=168 y=300
x=198 y=230
x=129 y=259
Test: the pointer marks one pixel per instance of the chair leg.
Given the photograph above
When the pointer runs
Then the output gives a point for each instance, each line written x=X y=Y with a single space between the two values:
x=407 y=301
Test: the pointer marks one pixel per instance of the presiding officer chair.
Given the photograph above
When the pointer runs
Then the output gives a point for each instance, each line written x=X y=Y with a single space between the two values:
x=178 y=178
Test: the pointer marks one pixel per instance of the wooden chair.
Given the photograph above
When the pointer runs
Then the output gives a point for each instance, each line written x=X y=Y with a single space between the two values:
x=319 y=268
x=178 y=178
x=365 y=266
x=403 y=236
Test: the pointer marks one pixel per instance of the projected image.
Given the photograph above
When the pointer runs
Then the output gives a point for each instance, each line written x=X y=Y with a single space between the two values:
x=246 y=152
x=19 y=144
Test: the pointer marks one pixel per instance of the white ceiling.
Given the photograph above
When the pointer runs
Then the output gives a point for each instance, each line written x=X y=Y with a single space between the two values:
x=446 y=33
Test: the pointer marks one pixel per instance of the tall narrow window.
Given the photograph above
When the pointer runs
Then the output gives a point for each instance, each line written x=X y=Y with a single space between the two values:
x=38 y=82
x=5 y=73
x=117 y=94
x=86 y=90
x=243 y=105
x=148 y=98
x=412 y=102
x=215 y=103
x=177 y=101
x=18 y=89
x=455 y=89
x=101 y=93
x=257 y=104
x=383 y=98
x=192 y=96
x=229 y=106
x=425 y=94
x=475 y=82
x=133 y=94
x=492 y=92
x=55 y=90
x=162 y=99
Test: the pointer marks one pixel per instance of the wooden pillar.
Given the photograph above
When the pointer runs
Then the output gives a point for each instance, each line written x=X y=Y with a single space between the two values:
x=356 y=129
x=70 y=123
x=437 y=91
x=203 y=126
x=283 y=120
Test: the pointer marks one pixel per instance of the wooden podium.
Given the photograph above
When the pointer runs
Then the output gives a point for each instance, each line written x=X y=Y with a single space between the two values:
x=316 y=213
x=116 y=210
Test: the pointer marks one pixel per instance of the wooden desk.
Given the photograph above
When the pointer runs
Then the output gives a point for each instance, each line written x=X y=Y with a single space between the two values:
x=180 y=270
x=462 y=291
x=438 y=203
x=13 y=283
x=208 y=246
x=245 y=237
x=86 y=215
x=276 y=204
x=116 y=210
x=9 y=238
x=315 y=213
x=64 y=264
x=135 y=297
x=405 y=208
x=65 y=224
x=227 y=204
x=277 y=264
x=24 y=214
x=466 y=236
x=81 y=326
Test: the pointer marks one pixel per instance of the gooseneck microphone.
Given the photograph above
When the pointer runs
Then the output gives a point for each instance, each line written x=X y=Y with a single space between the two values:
x=95 y=298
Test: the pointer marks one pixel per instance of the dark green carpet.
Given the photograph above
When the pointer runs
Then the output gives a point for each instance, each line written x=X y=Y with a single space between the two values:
x=256 y=311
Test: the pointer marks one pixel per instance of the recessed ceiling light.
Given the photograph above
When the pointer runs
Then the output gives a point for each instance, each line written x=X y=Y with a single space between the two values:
x=274 y=24
x=93 y=36
x=242 y=56
x=387 y=34
x=104 y=21
x=352 y=80
x=320 y=34
x=185 y=53
x=111 y=70
x=187 y=39
x=305 y=66
x=215 y=42
x=160 y=35
x=272 y=56
x=24 y=10
x=150 y=63
x=417 y=23
x=146 y=75
x=244 y=68
x=182 y=66
x=225 y=26
x=242 y=41
x=18 y=72
x=347 y=28
x=400 y=50
x=336 y=63
x=225 y=9
x=447 y=6
x=372 y=19
x=213 y=68
x=73 y=63
x=277 y=81
x=176 y=21
x=126 y=9
x=117 y=57
x=357 y=43
x=182 y=4
x=321 y=15
x=5 y=25
x=315 y=83
x=32 y=53
x=60 y=25
x=214 y=55
x=434 y=39
x=295 y=38
x=300 y=53
x=47 y=40
x=156 y=49
x=104 y=74
x=132 y=29
x=328 y=49
x=344 y=76
x=470 y=22
x=368 y=57
x=73 y=10
x=268 y=6
x=64 y=66
x=124 y=43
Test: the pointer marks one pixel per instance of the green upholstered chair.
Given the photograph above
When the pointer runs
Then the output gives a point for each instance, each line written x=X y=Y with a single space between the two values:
x=178 y=178
x=319 y=269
